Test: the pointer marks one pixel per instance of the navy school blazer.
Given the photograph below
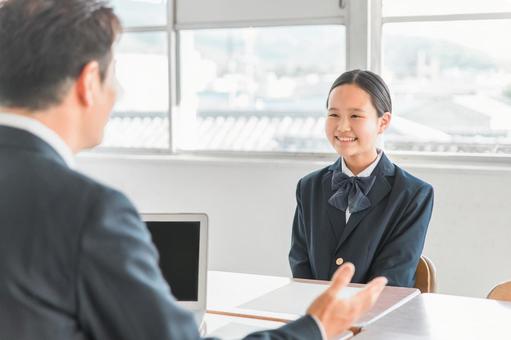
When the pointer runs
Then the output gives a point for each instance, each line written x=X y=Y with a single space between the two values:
x=385 y=239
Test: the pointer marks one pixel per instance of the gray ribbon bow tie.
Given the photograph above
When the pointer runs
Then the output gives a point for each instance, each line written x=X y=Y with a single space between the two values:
x=350 y=192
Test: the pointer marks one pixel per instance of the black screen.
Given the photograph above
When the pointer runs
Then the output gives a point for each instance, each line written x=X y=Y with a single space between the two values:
x=178 y=245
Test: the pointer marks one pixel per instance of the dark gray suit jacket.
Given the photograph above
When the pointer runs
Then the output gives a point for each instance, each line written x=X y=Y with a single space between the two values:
x=76 y=261
x=385 y=239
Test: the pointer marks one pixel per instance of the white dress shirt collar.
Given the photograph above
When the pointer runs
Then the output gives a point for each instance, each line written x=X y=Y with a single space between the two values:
x=367 y=171
x=42 y=131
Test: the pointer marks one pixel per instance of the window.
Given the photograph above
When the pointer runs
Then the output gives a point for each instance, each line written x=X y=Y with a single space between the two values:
x=140 y=117
x=248 y=76
x=450 y=77
x=138 y=13
x=253 y=75
x=257 y=89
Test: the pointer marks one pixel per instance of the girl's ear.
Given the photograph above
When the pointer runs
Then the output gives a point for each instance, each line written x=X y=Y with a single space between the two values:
x=384 y=122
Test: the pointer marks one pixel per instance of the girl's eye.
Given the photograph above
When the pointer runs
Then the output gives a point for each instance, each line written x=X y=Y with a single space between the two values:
x=355 y=116
x=333 y=115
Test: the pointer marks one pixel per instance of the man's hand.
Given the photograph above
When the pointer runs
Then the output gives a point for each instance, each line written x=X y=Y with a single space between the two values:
x=338 y=315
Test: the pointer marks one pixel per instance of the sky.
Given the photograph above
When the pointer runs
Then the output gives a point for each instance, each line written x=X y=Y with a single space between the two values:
x=490 y=37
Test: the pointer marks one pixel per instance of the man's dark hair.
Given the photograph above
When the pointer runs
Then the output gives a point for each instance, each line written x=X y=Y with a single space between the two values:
x=44 y=45
x=371 y=83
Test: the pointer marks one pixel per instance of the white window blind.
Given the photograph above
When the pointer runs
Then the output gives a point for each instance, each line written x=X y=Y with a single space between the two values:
x=191 y=14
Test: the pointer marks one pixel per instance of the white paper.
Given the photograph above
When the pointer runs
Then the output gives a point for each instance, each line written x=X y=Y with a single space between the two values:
x=293 y=298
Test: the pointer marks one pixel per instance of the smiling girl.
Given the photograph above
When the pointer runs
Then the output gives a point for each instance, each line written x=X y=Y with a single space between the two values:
x=363 y=208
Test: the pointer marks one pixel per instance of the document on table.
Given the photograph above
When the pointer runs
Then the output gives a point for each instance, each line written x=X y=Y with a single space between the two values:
x=292 y=300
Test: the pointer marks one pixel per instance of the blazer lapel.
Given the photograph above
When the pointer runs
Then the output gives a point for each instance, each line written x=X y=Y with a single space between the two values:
x=336 y=217
x=380 y=189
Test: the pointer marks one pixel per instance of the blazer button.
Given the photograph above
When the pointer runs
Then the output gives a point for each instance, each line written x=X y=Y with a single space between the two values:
x=339 y=261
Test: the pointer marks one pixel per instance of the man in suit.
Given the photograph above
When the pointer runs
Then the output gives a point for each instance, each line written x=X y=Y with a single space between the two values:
x=76 y=261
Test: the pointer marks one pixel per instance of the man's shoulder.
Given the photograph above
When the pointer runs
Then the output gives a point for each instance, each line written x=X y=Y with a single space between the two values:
x=99 y=192
x=75 y=185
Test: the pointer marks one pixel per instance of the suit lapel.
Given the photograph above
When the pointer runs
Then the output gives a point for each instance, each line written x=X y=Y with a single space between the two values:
x=380 y=189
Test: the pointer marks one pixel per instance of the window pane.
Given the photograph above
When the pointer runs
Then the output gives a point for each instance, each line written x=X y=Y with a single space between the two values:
x=141 y=12
x=451 y=83
x=431 y=7
x=261 y=89
x=140 y=115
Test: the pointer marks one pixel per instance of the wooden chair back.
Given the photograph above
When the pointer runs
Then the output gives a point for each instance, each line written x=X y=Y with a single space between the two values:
x=501 y=291
x=425 y=276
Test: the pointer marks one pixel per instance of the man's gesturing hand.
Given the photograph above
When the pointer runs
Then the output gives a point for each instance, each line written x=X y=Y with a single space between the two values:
x=338 y=315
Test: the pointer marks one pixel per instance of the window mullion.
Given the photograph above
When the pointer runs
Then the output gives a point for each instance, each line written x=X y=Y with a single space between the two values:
x=375 y=19
x=172 y=70
x=358 y=34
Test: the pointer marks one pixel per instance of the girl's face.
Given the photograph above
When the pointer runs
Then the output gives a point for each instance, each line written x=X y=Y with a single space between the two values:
x=353 y=125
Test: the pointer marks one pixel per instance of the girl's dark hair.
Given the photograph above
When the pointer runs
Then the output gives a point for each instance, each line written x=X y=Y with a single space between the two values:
x=46 y=43
x=371 y=83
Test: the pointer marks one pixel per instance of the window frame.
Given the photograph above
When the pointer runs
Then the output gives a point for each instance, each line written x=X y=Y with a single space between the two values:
x=473 y=159
x=364 y=22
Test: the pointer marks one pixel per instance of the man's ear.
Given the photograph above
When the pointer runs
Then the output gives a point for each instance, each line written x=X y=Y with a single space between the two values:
x=88 y=81
x=384 y=122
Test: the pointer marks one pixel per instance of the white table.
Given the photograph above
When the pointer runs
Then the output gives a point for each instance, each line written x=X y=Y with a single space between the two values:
x=443 y=317
x=250 y=295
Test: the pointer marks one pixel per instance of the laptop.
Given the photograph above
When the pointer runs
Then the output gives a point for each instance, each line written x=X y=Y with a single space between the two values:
x=182 y=242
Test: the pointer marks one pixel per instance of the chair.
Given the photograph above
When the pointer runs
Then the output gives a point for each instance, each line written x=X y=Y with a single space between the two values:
x=425 y=275
x=502 y=291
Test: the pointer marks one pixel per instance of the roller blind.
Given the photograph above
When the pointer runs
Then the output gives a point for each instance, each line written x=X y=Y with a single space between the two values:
x=233 y=13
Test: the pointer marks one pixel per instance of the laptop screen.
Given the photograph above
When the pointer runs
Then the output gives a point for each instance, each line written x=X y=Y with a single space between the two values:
x=178 y=243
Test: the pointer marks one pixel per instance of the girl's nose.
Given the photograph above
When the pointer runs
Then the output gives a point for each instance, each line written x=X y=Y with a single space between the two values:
x=343 y=125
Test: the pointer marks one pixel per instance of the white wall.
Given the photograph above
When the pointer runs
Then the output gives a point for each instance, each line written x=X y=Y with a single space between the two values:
x=251 y=202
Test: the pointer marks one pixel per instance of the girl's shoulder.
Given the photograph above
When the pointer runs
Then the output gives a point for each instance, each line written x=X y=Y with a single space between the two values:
x=316 y=176
x=405 y=179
